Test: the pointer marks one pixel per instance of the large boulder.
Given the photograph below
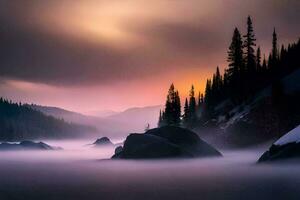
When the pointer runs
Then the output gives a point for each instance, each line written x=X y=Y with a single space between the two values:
x=26 y=145
x=287 y=147
x=165 y=142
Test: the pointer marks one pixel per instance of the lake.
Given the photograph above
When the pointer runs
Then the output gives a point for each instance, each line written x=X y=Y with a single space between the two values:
x=83 y=172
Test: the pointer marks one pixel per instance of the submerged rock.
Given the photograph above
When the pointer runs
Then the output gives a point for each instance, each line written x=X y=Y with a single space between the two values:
x=103 y=142
x=287 y=147
x=165 y=142
x=26 y=145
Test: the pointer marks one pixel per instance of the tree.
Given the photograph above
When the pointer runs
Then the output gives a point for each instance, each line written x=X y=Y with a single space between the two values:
x=282 y=53
x=207 y=100
x=192 y=105
x=274 y=47
x=199 y=99
x=160 y=119
x=273 y=59
x=264 y=65
x=200 y=104
x=217 y=87
x=236 y=69
x=249 y=45
x=172 y=111
x=258 y=59
x=186 y=115
x=177 y=109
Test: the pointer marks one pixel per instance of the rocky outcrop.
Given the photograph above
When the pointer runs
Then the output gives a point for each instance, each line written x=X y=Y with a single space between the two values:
x=104 y=141
x=287 y=147
x=280 y=153
x=165 y=142
x=26 y=145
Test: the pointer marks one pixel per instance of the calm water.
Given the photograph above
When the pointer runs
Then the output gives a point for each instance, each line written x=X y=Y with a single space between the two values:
x=79 y=173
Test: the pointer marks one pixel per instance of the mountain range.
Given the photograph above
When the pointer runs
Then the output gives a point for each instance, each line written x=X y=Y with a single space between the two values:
x=117 y=125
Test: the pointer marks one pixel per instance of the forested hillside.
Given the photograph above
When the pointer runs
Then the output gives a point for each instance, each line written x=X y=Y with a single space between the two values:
x=251 y=101
x=20 y=122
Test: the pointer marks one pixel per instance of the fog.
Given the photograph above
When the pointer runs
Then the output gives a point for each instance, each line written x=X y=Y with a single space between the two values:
x=83 y=172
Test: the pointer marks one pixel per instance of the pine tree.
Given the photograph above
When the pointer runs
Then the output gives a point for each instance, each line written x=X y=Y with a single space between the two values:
x=282 y=52
x=168 y=111
x=270 y=61
x=186 y=115
x=199 y=99
x=192 y=105
x=264 y=65
x=274 y=47
x=249 y=45
x=207 y=100
x=273 y=57
x=200 y=104
x=160 y=119
x=258 y=59
x=172 y=111
x=236 y=70
x=177 y=109
x=225 y=87
x=218 y=86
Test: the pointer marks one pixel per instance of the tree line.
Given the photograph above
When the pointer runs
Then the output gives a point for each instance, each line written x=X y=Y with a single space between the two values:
x=19 y=121
x=247 y=73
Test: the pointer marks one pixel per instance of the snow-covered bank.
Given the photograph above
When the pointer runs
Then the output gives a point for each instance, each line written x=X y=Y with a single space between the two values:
x=290 y=137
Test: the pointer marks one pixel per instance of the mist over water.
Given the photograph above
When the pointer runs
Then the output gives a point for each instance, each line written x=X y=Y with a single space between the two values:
x=83 y=172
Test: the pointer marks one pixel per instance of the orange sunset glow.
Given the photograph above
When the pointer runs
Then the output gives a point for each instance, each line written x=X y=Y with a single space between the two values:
x=105 y=49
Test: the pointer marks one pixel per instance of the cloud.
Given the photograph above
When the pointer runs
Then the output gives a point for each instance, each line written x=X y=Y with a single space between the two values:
x=96 y=42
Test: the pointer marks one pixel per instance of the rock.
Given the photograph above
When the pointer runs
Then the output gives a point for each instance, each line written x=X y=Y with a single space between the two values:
x=26 y=145
x=118 y=149
x=283 y=152
x=286 y=147
x=104 y=141
x=165 y=142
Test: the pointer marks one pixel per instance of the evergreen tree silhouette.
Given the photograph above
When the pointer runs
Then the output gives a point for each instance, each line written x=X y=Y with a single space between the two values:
x=172 y=112
x=207 y=100
x=282 y=53
x=192 y=106
x=177 y=109
x=249 y=46
x=258 y=59
x=217 y=87
x=273 y=60
x=186 y=115
x=199 y=99
x=249 y=84
x=247 y=73
x=160 y=119
x=236 y=67
x=264 y=65
x=274 y=47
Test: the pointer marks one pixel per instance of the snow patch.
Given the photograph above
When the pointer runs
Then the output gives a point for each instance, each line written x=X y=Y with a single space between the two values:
x=290 y=137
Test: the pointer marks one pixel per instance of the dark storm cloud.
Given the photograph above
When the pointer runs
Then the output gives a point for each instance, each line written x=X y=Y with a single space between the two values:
x=30 y=53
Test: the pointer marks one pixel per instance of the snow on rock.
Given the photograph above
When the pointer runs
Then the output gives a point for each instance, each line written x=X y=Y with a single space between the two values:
x=290 y=137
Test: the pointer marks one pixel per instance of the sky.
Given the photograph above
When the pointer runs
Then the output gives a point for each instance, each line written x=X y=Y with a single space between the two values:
x=89 y=55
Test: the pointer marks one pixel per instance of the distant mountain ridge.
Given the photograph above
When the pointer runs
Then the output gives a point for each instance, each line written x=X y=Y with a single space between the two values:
x=21 y=122
x=119 y=124
x=140 y=115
